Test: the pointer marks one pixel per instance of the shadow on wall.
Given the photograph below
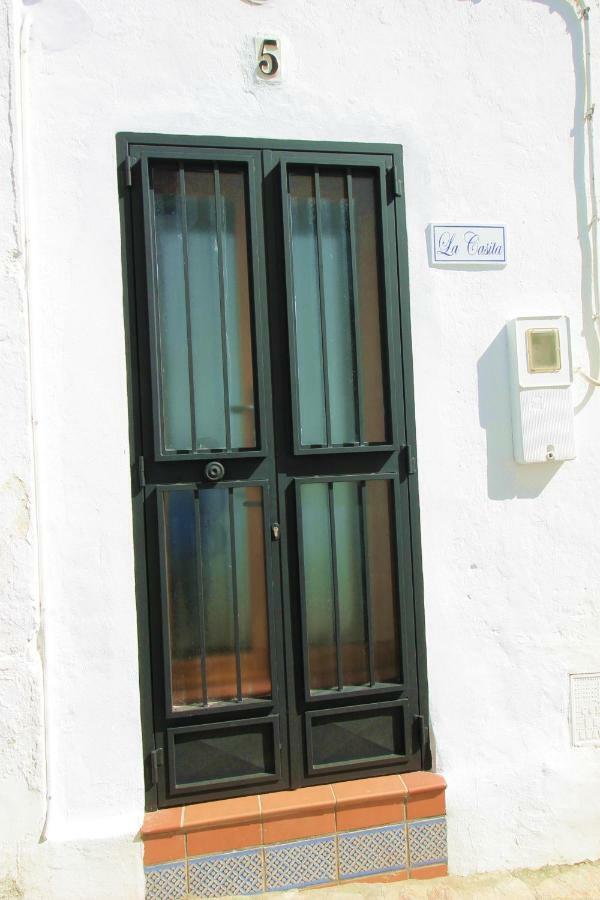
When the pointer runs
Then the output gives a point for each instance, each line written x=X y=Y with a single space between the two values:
x=506 y=478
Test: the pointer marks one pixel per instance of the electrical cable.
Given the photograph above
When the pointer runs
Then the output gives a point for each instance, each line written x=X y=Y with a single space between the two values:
x=583 y=12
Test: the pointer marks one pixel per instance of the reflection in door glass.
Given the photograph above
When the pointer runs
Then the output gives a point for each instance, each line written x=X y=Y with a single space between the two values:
x=317 y=574
x=348 y=583
x=216 y=594
x=337 y=307
x=378 y=510
x=206 y=370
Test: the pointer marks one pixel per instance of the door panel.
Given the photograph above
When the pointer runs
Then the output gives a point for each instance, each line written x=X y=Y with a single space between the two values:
x=341 y=465
x=341 y=740
x=337 y=307
x=203 y=254
x=340 y=302
x=208 y=462
x=348 y=583
x=212 y=544
x=230 y=754
x=279 y=536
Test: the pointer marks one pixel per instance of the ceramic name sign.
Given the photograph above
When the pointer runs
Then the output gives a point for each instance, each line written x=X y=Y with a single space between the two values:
x=468 y=245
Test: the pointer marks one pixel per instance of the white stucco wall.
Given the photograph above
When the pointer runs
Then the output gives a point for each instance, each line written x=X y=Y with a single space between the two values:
x=21 y=707
x=487 y=99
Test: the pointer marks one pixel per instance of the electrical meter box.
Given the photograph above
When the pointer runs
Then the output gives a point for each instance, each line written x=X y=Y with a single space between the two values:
x=541 y=375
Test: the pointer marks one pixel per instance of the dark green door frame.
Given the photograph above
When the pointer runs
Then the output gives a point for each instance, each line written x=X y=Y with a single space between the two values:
x=296 y=712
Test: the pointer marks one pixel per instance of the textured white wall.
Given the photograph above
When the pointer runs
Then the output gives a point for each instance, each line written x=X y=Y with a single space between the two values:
x=487 y=99
x=21 y=704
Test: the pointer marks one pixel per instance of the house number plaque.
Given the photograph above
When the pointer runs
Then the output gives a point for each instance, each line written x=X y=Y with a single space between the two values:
x=268 y=58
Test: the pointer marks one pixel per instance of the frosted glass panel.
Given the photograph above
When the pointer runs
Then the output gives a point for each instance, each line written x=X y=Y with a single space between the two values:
x=182 y=596
x=307 y=310
x=317 y=576
x=347 y=577
x=382 y=579
x=337 y=307
x=369 y=307
x=216 y=587
x=349 y=562
x=338 y=299
x=236 y=285
x=204 y=308
x=174 y=369
x=207 y=350
x=252 y=591
x=217 y=582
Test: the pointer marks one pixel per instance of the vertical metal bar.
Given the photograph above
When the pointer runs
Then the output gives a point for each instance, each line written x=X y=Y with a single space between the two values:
x=357 y=359
x=336 y=598
x=322 y=307
x=188 y=309
x=200 y=590
x=365 y=565
x=236 y=610
x=302 y=578
x=221 y=264
x=151 y=257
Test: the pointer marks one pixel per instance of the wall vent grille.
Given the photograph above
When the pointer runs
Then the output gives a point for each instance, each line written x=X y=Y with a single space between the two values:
x=585 y=710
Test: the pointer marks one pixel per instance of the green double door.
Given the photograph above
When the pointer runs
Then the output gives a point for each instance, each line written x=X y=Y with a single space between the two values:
x=273 y=415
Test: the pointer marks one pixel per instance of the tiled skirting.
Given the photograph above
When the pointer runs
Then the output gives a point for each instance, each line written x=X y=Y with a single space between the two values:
x=295 y=839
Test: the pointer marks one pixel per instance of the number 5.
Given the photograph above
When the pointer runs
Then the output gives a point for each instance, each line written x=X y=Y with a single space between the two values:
x=268 y=59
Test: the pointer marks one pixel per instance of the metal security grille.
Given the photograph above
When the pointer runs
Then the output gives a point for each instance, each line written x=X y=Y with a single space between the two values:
x=337 y=307
x=203 y=299
x=275 y=507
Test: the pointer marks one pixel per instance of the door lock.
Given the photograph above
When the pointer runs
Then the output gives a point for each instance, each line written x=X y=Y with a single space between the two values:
x=275 y=531
x=214 y=470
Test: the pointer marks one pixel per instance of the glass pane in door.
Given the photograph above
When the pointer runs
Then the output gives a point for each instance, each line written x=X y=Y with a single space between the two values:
x=216 y=590
x=348 y=584
x=337 y=307
x=203 y=308
x=317 y=585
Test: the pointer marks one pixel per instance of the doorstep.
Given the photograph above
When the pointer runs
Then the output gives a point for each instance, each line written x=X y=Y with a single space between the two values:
x=387 y=828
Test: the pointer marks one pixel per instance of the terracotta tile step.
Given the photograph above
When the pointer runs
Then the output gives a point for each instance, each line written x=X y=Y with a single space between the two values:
x=240 y=822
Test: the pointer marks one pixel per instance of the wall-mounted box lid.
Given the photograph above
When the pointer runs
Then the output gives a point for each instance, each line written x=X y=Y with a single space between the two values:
x=541 y=351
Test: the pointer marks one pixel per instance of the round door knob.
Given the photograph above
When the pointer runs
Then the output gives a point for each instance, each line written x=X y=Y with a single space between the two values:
x=214 y=471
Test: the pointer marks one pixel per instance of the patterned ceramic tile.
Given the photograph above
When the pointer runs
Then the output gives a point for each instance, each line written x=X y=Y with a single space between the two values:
x=427 y=842
x=226 y=873
x=166 y=882
x=300 y=864
x=372 y=851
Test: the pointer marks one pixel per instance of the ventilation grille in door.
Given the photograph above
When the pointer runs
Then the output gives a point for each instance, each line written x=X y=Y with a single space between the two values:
x=358 y=737
x=231 y=751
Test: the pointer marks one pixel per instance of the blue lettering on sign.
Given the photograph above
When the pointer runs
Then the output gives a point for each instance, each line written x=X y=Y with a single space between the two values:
x=474 y=248
x=469 y=244
x=447 y=245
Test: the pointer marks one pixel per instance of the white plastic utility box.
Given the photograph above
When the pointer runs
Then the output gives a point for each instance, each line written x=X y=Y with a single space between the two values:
x=541 y=374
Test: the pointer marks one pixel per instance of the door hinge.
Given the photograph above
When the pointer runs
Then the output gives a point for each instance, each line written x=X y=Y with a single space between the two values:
x=157 y=758
x=130 y=161
x=411 y=460
x=396 y=183
x=141 y=472
x=422 y=732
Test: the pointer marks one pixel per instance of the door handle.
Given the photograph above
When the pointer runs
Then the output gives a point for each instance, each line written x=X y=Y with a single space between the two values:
x=275 y=531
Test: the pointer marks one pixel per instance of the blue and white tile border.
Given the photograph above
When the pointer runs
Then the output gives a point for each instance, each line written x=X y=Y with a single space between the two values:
x=240 y=872
x=336 y=858
x=300 y=864
x=427 y=842
x=168 y=880
x=372 y=851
